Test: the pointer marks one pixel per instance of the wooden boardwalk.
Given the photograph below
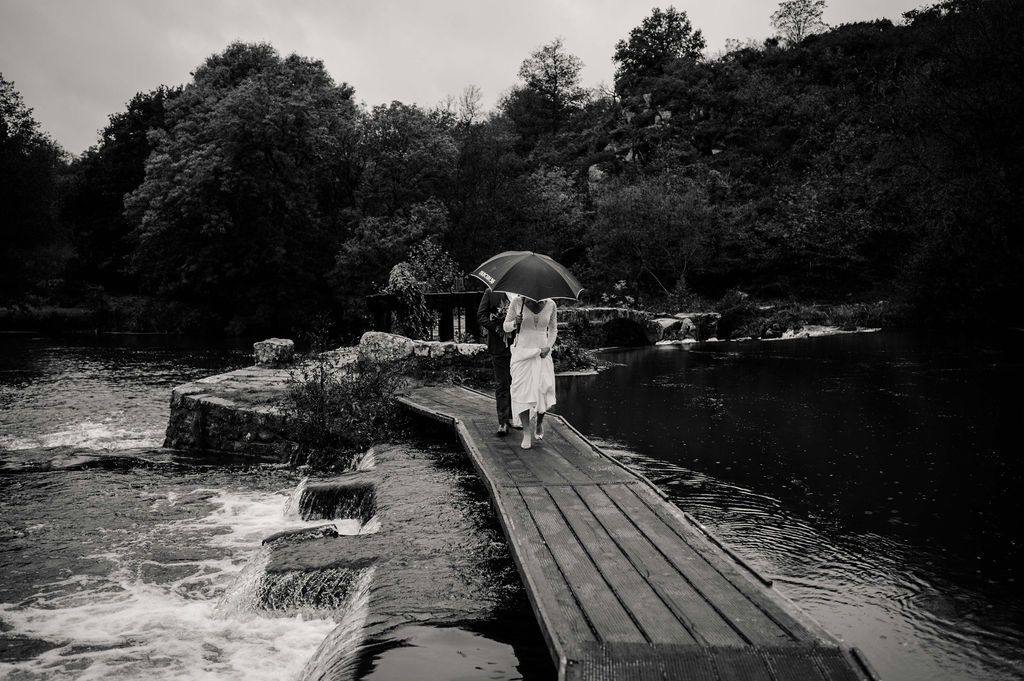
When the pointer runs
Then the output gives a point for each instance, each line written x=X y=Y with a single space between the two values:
x=624 y=585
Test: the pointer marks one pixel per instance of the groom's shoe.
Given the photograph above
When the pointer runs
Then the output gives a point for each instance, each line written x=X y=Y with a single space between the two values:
x=512 y=424
x=502 y=430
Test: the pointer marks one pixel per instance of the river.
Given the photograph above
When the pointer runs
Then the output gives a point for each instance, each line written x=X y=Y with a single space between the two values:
x=875 y=478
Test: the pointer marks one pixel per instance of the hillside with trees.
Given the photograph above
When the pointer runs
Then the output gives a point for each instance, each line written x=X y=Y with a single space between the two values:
x=866 y=162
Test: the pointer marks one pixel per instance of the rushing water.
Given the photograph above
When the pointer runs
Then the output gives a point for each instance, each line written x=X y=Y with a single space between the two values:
x=121 y=560
x=875 y=478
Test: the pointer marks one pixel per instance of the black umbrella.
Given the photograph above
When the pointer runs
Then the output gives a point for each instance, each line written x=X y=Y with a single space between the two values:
x=529 y=274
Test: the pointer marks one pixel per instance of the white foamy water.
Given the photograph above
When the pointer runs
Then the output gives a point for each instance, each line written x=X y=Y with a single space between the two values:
x=346 y=526
x=112 y=433
x=118 y=626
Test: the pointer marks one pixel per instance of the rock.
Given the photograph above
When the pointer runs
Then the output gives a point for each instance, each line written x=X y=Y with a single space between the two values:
x=470 y=349
x=426 y=348
x=302 y=534
x=274 y=351
x=377 y=345
x=444 y=349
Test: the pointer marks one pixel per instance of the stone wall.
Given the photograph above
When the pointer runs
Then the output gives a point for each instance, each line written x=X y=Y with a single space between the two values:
x=242 y=412
x=238 y=413
x=597 y=325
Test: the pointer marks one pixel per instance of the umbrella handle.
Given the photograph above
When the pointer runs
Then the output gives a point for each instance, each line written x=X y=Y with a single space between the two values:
x=519 y=322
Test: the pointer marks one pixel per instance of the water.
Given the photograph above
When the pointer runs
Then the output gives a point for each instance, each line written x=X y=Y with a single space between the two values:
x=121 y=560
x=875 y=478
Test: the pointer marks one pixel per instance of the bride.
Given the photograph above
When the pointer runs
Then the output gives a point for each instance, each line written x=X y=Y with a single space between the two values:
x=533 y=371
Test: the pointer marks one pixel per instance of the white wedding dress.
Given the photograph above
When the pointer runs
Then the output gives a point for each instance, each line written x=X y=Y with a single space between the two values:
x=533 y=376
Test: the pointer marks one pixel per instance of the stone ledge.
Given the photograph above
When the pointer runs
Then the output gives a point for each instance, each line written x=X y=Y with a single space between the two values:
x=242 y=412
x=387 y=346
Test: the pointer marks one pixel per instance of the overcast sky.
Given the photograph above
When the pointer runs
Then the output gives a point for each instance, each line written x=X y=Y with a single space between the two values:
x=75 y=62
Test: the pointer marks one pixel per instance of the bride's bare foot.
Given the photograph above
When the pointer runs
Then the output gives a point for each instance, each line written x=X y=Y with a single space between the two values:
x=528 y=427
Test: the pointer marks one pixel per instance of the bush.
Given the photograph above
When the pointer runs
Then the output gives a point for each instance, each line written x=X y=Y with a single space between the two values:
x=737 y=312
x=569 y=355
x=411 y=316
x=337 y=411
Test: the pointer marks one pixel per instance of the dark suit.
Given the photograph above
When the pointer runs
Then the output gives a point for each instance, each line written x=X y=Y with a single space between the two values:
x=490 y=302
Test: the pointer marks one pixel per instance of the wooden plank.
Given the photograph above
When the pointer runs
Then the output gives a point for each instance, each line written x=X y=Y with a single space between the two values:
x=631 y=474
x=548 y=469
x=587 y=464
x=498 y=457
x=563 y=625
x=792 y=664
x=785 y=616
x=551 y=598
x=643 y=662
x=753 y=624
x=655 y=619
x=424 y=409
x=740 y=664
x=603 y=610
x=706 y=624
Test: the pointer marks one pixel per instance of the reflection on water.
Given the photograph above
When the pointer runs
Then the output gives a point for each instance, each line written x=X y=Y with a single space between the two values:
x=875 y=478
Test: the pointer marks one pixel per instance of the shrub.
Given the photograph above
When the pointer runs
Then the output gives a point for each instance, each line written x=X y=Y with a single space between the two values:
x=412 y=318
x=736 y=312
x=338 y=410
x=569 y=355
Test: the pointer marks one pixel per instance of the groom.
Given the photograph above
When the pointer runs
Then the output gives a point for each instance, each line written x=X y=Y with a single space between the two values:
x=491 y=315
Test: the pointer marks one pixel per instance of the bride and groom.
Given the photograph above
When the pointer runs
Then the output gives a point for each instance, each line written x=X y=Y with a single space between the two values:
x=521 y=334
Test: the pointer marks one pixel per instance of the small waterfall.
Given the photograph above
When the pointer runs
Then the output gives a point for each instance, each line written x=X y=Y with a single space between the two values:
x=291 y=507
x=368 y=461
x=354 y=498
x=304 y=585
x=337 y=657
x=301 y=585
x=320 y=593
x=241 y=597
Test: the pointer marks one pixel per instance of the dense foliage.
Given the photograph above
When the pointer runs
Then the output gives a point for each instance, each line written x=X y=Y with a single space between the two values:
x=864 y=162
x=30 y=164
x=246 y=192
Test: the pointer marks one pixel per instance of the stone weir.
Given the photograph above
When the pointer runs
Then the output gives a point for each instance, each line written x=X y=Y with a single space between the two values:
x=244 y=412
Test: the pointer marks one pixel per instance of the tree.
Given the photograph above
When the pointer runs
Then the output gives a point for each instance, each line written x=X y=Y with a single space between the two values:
x=549 y=214
x=963 y=111
x=250 y=189
x=362 y=263
x=30 y=168
x=650 y=232
x=100 y=179
x=555 y=75
x=469 y=104
x=662 y=38
x=797 y=19
x=407 y=157
x=484 y=198
x=550 y=93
